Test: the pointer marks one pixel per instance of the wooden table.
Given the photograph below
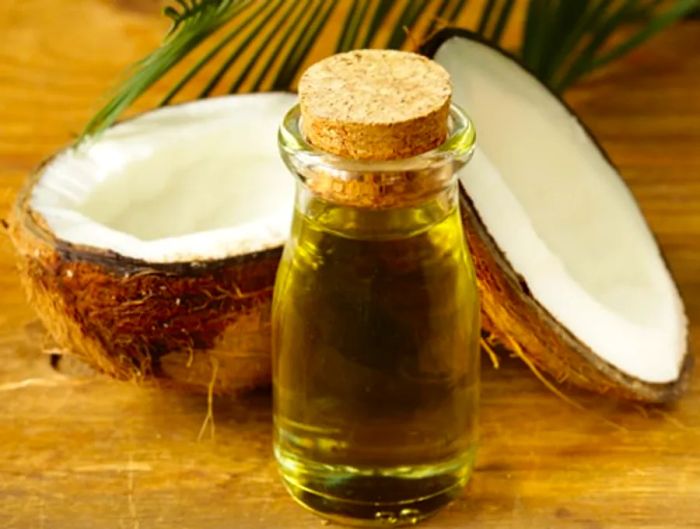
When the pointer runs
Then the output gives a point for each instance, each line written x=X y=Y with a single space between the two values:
x=85 y=452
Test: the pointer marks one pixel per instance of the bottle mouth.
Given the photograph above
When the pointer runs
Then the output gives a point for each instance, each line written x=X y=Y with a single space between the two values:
x=377 y=183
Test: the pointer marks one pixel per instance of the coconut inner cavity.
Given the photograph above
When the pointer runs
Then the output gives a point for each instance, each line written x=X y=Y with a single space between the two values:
x=190 y=182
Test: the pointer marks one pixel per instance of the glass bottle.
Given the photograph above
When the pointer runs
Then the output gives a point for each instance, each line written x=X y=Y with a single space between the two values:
x=375 y=333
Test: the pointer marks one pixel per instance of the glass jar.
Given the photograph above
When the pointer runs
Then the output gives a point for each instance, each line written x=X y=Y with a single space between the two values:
x=375 y=333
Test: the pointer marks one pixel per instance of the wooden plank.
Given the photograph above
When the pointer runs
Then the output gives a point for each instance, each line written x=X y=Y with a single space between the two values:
x=83 y=451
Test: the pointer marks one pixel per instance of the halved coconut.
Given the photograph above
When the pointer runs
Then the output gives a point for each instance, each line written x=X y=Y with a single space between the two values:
x=569 y=271
x=152 y=250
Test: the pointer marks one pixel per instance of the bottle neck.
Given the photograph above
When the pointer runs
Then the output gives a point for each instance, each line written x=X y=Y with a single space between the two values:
x=376 y=198
x=358 y=222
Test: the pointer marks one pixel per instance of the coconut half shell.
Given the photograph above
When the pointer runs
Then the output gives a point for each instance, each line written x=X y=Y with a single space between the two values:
x=570 y=275
x=132 y=319
x=195 y=310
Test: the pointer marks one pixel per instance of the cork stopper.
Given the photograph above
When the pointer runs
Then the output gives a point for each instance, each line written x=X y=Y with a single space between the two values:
x=375 y=104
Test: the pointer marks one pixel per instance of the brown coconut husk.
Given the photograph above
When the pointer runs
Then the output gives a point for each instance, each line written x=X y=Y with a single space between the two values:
x=513 y=318
x=135 y=320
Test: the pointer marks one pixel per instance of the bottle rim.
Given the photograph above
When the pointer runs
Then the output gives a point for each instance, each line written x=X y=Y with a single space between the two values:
x=300 y=156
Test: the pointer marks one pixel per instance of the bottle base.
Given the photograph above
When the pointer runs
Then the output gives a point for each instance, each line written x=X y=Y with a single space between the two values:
x=378 y=497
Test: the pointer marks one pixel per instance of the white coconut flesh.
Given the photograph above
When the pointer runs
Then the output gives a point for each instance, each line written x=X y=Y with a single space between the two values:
x=563 y=218
x=191 y=182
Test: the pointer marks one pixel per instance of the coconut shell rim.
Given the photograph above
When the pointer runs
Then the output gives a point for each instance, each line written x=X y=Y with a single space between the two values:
x=22 y=214
x=658 y=392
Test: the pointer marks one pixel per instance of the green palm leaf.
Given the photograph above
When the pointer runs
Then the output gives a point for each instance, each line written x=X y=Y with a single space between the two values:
x=562 y=40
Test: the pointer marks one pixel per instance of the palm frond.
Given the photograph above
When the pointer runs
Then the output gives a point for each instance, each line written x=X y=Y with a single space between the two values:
x=486 y=16
x=653 y=26
x=253 y=59
x=294 y=27
x=264 y=12
x=456 y=10
x=567 y=39
x=263 y=44
x=440 y=14
x=409 y=15
x=381 y=10
x=194 y=22
x=301 y=49
x=502 y=20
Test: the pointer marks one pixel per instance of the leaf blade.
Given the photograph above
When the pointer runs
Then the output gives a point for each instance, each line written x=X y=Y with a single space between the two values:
x=243 y=45
x=289 y=71
x=679 y=10
x=236 y=84
x=203 y=61
x=146 y=72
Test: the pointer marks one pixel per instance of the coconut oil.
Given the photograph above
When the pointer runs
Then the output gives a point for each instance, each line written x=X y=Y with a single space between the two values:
x=376 y=337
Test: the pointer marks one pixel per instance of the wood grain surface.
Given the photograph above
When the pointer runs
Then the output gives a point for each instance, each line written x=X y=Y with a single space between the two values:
x=81 y=451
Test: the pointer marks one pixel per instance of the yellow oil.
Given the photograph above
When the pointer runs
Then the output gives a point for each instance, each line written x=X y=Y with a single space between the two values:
x=375 y=339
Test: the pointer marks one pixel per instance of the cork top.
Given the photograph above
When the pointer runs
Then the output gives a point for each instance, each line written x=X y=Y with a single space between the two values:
x=375 y=104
